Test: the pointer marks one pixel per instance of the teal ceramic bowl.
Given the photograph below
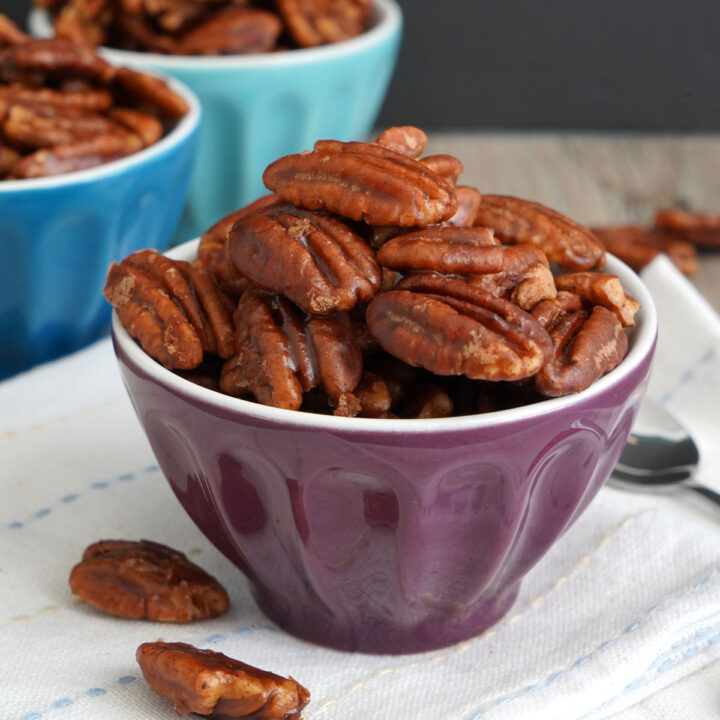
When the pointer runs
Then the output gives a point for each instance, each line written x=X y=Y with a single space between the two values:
x=59 y=234
x=257 y=108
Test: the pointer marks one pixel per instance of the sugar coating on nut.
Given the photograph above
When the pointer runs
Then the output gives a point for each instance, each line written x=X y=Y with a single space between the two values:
x=145 y=579
x=210 y=683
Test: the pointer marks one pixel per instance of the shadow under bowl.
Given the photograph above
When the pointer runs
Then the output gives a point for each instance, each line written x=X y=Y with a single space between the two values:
x=58 y=235
x=257 y=108
x=386 y=536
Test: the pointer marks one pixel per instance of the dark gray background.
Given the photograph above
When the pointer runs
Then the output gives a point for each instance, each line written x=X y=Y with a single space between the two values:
x=578 y=64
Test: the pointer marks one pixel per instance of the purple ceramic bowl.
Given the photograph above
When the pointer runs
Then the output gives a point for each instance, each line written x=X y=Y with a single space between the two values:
x=386 y=536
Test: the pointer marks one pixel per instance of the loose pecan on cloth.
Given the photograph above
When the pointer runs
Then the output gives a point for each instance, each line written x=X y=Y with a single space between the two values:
x=701 y=229
x=210 y=683
x=146 y=580
x=637 y=246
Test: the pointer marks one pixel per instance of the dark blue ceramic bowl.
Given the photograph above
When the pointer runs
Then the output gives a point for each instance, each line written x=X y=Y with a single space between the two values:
x=386 y=536
x=59 y=234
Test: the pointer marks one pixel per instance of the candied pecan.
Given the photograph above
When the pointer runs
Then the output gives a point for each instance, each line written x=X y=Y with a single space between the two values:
x=175 y=311
x=85 y=100
x=452 y=328
x=138 y=33
x=702 y=229
x=316 y=22
x=449 y=250
x=468 y=200
x=547 y=312
x=78 y=155
x=525 y=277
x=426 y=400
x=61 y=56
x=147 y=127
x=175 y=16
x=362 y=181
x=637 y=246
x=281 y=354
x=585 y=349
x=374 y=396
x=447 y=167
x=210 y=683
x=312 y=258
x=564 y=241
x=213 y=253
x=84 y=21
x=152 y=90
x=146 y=580
x=28 y=127
x=195 y=291
x=405 y=139
x=601 y=289
x=233 y=31
x=397 y=375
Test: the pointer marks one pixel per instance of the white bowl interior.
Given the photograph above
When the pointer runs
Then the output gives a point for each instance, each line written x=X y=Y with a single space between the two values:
x=642 y=337
x=178 y=134
x=386 y=20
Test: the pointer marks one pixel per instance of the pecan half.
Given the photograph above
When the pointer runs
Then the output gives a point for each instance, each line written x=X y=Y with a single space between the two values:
x=147 y=127
x=586 y=348
x=702 y=229
x=235 y=30
x=28 y=127
x=563 y=241
x=282 y=354
x=60 y=56
x=405 y=139
x=449 y=250
x=362 y=181
x=312 y=258
x=601 y=289
x=146 y=580
x=468 y=200
x=213 y=253
x=317 y=22
x=525 y=277
x=447 y=167
x=78 y=155
x=152 y=90
x=637 y=246
x=452 y=328
x=176 y=311
x=210 y=683
x=83 y=100
x=373 y=395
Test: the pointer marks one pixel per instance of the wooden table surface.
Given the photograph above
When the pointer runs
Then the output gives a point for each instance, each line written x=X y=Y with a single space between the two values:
x=597 y=179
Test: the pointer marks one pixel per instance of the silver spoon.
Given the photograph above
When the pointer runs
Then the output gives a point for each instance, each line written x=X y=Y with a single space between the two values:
x=659 y=455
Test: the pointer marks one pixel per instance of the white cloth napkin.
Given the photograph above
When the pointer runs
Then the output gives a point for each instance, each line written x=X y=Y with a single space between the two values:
x=624 y=604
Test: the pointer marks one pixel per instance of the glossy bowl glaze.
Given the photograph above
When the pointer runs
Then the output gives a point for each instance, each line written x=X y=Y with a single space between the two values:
x=386 y=536
x=59 y=234
x=257 y=108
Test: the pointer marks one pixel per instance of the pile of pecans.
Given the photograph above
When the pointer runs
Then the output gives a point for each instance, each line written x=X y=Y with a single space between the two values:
x=676 y=232
x=208 y=27
x=63 y=108
x=370 y=283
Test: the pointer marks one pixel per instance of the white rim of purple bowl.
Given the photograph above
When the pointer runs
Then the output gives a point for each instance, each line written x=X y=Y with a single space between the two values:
x=186 y=125
x=641 y=342
x=388 y=19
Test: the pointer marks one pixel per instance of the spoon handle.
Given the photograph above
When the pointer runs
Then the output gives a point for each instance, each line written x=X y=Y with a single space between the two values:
x=705 y=492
